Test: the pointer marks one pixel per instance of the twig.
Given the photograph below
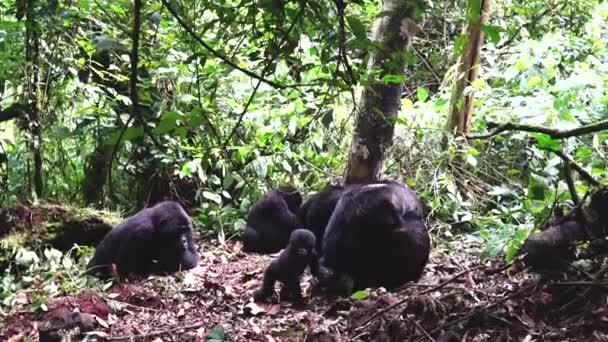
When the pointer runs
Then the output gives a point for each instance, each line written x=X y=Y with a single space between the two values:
x=553 y=132
x=586 y=176
x=581 y=283
x=570 y=182
x=421 y=329
x=427 y=64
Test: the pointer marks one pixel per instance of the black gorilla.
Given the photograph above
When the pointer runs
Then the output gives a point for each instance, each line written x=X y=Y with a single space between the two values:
x=271 y=220
x=317 y=209
x=376 y=236
x=289 y=266
x=152 y=241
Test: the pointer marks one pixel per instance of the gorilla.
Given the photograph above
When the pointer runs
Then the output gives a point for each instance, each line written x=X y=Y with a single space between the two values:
x=155 y=240
x=376 y=236
x=317 y=209
x=289 y=266
x=271 y=220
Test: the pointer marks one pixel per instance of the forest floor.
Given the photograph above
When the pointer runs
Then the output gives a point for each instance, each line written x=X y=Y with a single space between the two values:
x=479 y=302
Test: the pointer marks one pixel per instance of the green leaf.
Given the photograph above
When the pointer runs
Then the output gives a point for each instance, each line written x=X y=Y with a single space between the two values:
x=216 y=198
x=471 y=160
x=422 y=94
x=130 y=134
x=584 y=152
x=357 y=27
x=474 y=10
x=216 y=334
x=393 y=79
x=493 y=32
x=292 y=126
x=535 y=81
x=359 y=295
x=286 y=166
x=459 y=44
x=545 y=142
x=328 y=118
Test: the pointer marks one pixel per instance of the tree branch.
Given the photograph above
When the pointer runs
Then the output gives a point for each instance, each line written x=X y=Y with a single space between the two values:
x=552 y=132
x=216 y=53
x=586 y=176
x=260 y=80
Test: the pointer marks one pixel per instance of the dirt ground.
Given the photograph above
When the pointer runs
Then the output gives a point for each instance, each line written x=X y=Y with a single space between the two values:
x=478 y=302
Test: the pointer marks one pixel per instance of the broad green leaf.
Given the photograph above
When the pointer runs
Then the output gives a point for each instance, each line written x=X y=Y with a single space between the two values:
x=492 y=32
x=216 y=198
x=545 y=142
x=359 y=295
x=535 y=81
x=393 y=79
x=422 y=94
x=357 y=27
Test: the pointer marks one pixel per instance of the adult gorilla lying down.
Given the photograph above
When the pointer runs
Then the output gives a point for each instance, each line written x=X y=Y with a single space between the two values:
x=155 y=240
x=376 y=236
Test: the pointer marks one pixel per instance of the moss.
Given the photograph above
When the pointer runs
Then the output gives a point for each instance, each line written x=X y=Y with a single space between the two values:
x=63 y=226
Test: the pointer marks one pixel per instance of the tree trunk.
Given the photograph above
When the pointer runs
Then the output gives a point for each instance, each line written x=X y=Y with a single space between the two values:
x=461 y=105
x=96 y=172
x=35 y=119
x=375 y=120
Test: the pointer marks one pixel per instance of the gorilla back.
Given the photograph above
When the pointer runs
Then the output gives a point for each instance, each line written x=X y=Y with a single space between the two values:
x=154 y=240
x=316 y=211
x=377 y=236
x=271 y=220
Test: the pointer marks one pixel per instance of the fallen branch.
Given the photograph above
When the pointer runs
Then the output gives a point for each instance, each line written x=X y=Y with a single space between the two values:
x=552 y=132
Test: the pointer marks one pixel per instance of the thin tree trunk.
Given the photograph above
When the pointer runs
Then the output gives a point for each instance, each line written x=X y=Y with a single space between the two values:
x=35 y=117
x=375 y=120
x=461 y=105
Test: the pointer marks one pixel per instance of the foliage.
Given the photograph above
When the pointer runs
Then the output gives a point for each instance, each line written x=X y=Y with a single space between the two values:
x=45 y=275
x=218 y=137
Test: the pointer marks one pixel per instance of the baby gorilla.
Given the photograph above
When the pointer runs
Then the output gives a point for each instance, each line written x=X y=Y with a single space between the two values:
x=289 y=266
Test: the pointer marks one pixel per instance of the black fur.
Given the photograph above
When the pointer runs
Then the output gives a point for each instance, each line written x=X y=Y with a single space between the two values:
x=271 y=220
x=154 y=240
x=314 y=214
x=376 y=236
x=289 y=266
